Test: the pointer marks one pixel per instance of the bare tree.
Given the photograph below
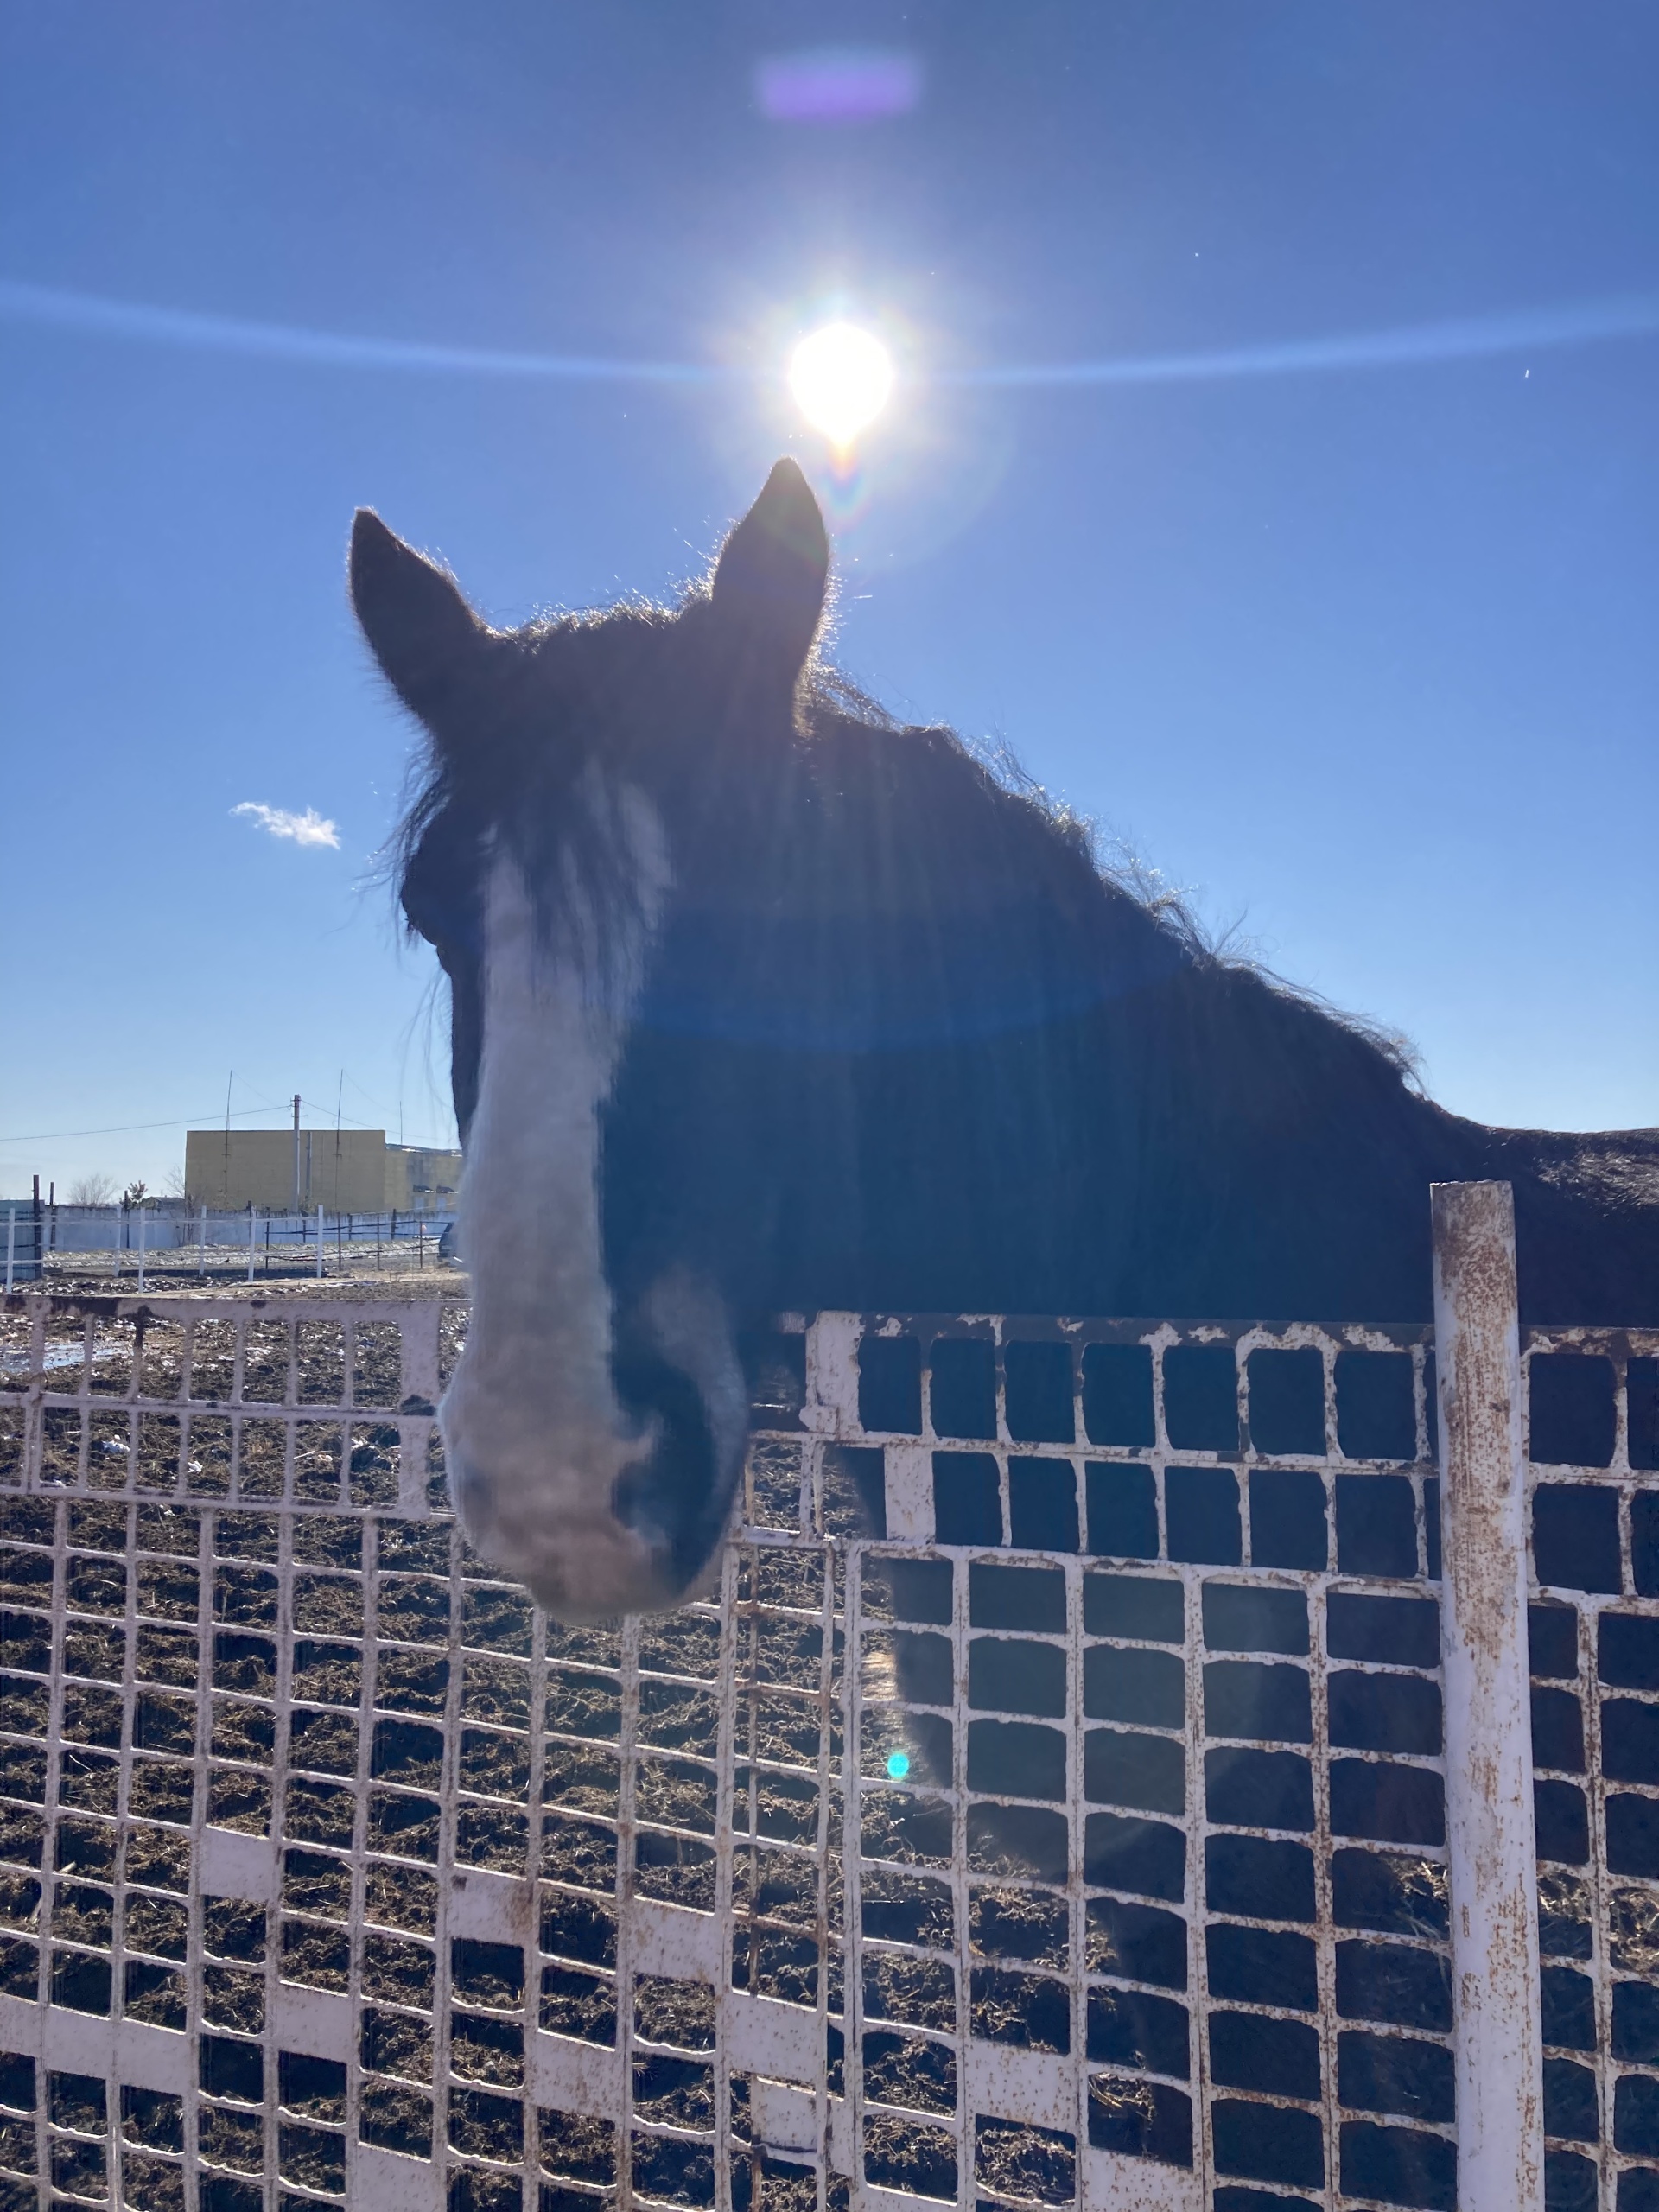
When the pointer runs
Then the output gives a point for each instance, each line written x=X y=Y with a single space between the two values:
x=91 y=1191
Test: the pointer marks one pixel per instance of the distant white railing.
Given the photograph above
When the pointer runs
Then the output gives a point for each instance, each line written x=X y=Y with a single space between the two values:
x=138 y=1235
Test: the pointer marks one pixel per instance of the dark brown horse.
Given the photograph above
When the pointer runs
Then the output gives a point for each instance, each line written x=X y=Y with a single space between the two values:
x=761 y=1002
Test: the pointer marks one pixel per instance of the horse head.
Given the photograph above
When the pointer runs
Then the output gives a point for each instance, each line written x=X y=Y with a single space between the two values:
x=594 y=783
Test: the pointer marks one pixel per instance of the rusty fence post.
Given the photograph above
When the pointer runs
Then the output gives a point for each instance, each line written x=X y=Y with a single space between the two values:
x=1489 y=1842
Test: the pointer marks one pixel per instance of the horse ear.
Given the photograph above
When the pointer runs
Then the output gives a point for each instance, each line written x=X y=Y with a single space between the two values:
x=773 y=570
x=425 y=636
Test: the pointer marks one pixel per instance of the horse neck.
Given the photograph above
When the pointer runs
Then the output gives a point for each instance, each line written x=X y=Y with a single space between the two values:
x=1284 y=1164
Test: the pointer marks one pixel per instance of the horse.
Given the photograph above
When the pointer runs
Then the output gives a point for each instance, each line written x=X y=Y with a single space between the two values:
x=761 y=1002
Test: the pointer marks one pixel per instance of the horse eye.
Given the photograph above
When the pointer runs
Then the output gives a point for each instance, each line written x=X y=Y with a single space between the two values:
x=456 y=932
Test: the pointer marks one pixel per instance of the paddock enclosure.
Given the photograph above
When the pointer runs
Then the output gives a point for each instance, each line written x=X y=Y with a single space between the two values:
x=1086 y=1836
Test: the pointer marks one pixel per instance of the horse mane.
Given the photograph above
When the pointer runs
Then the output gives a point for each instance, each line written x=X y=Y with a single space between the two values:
x=1081 y=865
x=1221 y=957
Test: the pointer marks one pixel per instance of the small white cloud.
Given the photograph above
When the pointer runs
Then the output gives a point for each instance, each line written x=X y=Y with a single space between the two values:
x=308 y=829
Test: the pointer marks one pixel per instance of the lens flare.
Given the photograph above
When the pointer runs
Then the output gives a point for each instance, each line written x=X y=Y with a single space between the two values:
x=898 y=1765
x=837 y=84
x=841 y=377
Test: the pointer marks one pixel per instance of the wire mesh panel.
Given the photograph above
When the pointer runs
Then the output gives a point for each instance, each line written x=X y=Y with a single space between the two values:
x=1594 y=1402
x=1151 y=1889
x=1044 y=1806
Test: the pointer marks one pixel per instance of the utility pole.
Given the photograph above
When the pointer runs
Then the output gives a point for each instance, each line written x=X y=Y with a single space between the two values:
x=296 y=1152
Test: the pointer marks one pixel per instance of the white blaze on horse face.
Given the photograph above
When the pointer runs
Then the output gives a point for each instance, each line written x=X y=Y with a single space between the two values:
x=533 y=1432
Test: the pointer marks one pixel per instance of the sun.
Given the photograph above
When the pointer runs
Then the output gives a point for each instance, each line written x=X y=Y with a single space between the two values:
x=841 y=377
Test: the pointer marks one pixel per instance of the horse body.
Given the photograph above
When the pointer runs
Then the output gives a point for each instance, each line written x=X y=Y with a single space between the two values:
x=761 y=1003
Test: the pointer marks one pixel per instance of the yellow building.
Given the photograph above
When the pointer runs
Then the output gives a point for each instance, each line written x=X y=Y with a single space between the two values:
x=344 y=1171
x=419 y=1181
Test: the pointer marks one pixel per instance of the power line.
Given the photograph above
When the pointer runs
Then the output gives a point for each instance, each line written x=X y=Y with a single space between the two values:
x=379 y=1105
x=310 y=1106
x=125 y=1129
x=184 y=1122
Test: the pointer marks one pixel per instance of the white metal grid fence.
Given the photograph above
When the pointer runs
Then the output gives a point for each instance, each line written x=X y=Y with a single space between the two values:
x=1078 y=1838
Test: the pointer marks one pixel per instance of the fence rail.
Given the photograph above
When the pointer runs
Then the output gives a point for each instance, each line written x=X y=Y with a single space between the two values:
x=37 y=1241
x=1050 y=1805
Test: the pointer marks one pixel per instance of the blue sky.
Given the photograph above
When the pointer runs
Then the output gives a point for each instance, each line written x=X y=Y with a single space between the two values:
x=1365 y=659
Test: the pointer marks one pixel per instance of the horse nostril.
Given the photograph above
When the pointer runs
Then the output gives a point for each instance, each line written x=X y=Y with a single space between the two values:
x=626 y=1496
x=469 y=1493
x=645 y=1499
x=671 y=1497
